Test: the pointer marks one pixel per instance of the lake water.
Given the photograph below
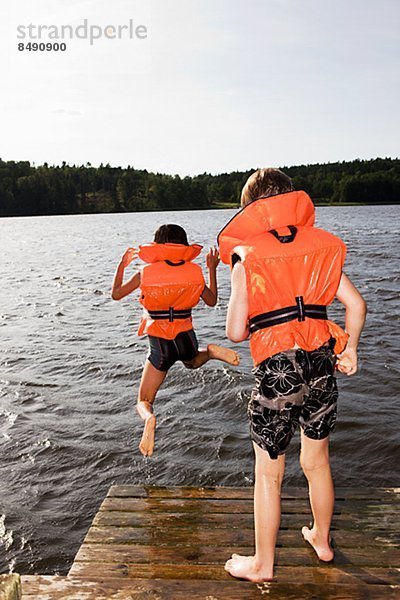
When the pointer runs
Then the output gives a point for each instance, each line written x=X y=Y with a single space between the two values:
x=70 y=363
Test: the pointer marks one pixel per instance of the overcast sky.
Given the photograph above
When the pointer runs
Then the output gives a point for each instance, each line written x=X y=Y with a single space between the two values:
x=218 y=85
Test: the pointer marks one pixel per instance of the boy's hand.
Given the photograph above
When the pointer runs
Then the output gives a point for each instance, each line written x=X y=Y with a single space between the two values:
x=212 y=259
x=129 y=255
x=347 y=361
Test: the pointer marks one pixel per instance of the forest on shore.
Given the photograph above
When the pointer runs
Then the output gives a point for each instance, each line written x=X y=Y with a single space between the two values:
x=26 y=189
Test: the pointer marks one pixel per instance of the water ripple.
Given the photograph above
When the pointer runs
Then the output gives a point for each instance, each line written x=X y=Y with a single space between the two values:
x=70 y=367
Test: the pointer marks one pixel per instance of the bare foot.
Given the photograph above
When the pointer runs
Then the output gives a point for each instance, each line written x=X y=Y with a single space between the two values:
x=146 y=445
x=225 y=354
x=322 y=548
x=245 y=567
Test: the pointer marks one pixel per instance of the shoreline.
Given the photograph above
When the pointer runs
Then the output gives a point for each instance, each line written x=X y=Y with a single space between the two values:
x=219 y=206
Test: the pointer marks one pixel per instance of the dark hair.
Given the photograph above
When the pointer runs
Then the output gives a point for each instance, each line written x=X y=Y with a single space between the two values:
x=265 y=183
x=171 y=234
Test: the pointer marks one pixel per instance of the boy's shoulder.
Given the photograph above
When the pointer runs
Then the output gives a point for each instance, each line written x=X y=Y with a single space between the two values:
x=163 y=270
x=196 y=270
x=323 y=234
x=198 y=267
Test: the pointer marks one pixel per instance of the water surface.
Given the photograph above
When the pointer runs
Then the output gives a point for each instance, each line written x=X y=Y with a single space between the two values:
x=70 y=364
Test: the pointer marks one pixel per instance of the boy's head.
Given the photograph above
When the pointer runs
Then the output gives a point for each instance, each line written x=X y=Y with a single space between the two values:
x=264 y=183
x=171 y=234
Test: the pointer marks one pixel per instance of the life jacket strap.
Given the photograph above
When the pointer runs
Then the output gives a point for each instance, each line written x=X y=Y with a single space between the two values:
x=175 y=264
x=300 y=311
x=170 y=315
x=285 y=239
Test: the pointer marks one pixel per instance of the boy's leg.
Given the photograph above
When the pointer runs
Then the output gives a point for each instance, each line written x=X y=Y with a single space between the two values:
x=193 y=358
x=213 y=352
x=267 y=515
x=314 y=460
x=150 y=383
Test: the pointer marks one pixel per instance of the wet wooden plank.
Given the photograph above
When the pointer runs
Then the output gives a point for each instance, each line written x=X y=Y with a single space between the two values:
x=225 y=492
x=386 y=557
x=192 y=535
x=237 y=520
x=180 y=538
x=292 y=574
x=79 y=588
x=10 y=587
x=241 y=506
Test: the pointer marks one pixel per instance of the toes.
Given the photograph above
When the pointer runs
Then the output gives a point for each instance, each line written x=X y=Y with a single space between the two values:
x=228 y=565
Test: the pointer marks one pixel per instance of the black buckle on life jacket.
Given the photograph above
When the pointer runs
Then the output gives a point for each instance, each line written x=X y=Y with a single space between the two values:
x=300 y=308
x=285 y=239
x=290 y=313
x=170 y=315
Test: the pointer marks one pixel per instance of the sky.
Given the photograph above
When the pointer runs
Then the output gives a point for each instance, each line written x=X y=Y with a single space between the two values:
x=216 y=86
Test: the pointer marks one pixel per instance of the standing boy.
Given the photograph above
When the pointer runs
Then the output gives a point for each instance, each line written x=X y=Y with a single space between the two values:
x=285 y=272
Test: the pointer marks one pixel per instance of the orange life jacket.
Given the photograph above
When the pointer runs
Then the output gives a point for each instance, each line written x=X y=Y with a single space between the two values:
x=292 y=271
x=171 y=285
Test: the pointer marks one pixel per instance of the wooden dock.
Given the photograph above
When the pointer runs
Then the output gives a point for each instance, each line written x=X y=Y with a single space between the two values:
x=153 y=543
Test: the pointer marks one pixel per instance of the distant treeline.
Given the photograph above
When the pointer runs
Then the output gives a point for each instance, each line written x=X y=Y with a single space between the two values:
x=26 y=189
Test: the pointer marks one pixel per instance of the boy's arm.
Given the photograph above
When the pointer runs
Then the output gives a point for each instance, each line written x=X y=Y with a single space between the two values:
x=356 y=310
x=119 y=289
x=237 y=326
x=210 y=292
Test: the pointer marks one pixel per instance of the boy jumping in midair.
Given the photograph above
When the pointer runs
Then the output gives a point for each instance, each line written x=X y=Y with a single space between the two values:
x=171 y=285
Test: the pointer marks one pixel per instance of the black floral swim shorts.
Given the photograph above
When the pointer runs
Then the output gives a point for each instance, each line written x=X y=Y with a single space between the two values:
x=293 y=388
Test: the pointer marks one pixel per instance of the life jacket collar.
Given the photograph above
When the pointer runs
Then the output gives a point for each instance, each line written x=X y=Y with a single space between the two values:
x=173 y=253
x=263 y=215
